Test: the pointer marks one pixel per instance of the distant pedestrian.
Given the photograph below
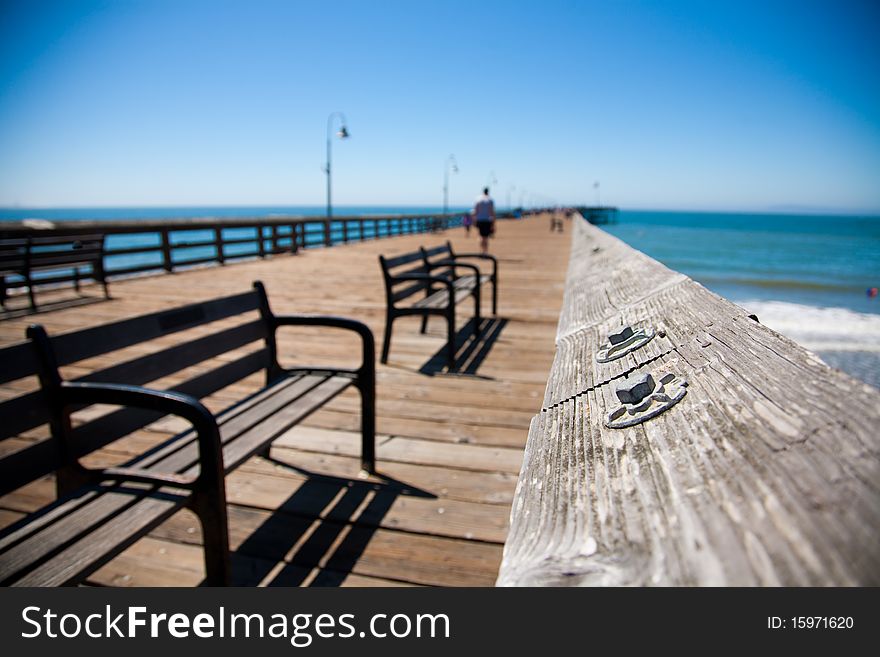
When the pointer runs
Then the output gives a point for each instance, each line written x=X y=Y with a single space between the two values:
x=484 y=215
x=468 y=221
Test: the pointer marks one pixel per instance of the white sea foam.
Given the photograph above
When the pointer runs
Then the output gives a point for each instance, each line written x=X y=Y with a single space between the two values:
x=819 y=329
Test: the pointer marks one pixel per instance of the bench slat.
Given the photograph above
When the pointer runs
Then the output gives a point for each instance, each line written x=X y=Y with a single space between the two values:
x=44 y=457
x=58 y=260
x=72 y=347
x=409 y=290
x=276 y=424
x=179 y=454
x=43 y=240
x=107 y=428
x=441 y=299
x=437 y=250
x=30 y=410
x=84 y=540
x=406 y=258
x=114 y=515
x=270 y=412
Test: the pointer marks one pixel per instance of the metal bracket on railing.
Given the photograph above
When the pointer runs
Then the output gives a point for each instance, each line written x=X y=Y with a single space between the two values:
x=623 y=342
x=641 y=398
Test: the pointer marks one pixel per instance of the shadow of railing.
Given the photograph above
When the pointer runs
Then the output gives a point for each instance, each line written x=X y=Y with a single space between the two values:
x=470 y=349
x=48 y=306
x=326 y=523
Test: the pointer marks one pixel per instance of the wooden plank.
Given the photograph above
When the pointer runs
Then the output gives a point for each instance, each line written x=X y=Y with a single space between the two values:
x=406 y=450
x=155 y=562
x=761 y=475
x=343 y=547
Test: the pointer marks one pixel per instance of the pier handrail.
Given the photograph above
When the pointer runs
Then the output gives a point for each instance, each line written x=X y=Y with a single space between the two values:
x=171 y=244
x=743 y=460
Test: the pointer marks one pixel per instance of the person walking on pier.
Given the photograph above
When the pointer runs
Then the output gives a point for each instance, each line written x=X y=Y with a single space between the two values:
x=484 y=215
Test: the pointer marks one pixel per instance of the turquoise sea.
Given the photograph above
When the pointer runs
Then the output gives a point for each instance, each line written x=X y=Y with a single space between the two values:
x=805 y=276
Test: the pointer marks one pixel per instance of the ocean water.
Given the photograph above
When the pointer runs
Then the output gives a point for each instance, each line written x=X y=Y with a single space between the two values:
x=115 y=213
x=805 y=276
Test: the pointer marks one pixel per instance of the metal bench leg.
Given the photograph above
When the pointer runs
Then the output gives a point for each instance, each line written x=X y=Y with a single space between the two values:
x=450 y=345
x=495 y=295
x=386 y=342
x=31 y=297
x=424 y=323
x=210 y=507
x=103 y=276
x=478 y=328
x=368 y=426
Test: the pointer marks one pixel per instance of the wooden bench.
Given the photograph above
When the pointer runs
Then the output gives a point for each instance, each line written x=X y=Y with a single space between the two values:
x=25 y=256
x=437 y=274
x=101 y=511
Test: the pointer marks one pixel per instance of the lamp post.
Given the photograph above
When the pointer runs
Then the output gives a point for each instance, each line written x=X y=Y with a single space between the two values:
x=342 y=133
x=452 y=165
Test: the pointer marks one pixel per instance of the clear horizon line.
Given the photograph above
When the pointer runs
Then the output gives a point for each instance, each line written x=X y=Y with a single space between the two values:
x=781 y=209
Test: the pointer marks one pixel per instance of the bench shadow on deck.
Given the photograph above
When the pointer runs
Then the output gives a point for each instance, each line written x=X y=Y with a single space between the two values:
x=471 y=348
x=61 y=303
x=297 y=540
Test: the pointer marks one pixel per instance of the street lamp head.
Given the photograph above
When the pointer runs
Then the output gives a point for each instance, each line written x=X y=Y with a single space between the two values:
x=343 y=133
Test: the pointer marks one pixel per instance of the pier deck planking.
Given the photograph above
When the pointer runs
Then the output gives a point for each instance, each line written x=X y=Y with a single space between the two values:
x=449 y=445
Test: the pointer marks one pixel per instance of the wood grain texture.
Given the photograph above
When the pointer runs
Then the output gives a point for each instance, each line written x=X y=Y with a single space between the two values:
x=766 y=473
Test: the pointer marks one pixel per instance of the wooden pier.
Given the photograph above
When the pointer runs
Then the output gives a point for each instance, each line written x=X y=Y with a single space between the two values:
x=449 y=446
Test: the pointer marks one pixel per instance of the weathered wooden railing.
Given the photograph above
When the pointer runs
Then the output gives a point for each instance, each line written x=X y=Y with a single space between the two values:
x=765 y=472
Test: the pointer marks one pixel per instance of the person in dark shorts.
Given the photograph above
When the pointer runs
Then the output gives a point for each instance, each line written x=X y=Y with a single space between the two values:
x=484 y=215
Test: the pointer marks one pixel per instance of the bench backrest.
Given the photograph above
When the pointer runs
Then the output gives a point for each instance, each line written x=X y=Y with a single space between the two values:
x=13 y=254
x=402 y=265
x=435 y=254
x=20 y=254
x=24 y=460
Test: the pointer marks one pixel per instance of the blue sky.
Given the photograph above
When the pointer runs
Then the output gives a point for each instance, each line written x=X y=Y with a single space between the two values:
x=670 y=105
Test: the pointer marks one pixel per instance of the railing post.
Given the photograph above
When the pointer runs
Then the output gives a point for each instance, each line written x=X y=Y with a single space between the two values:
x=326 y=232
x=345 y=231
x=294 y=245
x=166 y=252
x=274 y=233
x=261 y=247
x=218 y=244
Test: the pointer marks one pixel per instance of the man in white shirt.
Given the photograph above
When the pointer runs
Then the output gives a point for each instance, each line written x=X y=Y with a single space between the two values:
x=484 y=215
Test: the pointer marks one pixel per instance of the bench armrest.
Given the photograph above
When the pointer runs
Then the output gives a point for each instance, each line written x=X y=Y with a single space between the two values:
x=452 y=263
x=481 y=256
x=164 y=401
x=367 y=370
